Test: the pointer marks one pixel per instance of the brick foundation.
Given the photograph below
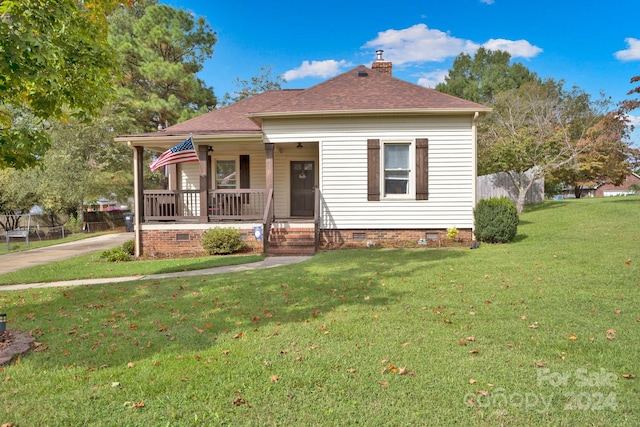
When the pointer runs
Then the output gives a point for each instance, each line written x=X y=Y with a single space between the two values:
x=185 y=243
x=175 y=243
x=394 y=238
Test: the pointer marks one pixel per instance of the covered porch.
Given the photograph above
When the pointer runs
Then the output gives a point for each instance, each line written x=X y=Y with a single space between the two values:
x=200 y=194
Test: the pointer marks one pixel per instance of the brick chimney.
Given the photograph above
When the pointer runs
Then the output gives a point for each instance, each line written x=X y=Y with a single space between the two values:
x=380 y=64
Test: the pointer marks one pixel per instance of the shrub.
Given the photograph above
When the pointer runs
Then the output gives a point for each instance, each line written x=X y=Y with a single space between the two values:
x=496 y=220
x=129 y=247
x=452 y=233
x=116 y=254
x=74 y=225
x=221 y=241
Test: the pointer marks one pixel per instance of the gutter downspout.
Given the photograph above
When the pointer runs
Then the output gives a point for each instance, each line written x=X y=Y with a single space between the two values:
x=474 y=132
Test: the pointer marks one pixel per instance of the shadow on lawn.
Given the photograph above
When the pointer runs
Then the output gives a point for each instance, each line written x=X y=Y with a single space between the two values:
x=120 y=323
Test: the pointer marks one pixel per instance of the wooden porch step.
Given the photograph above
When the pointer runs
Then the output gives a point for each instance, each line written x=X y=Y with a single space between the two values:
x=291 y=241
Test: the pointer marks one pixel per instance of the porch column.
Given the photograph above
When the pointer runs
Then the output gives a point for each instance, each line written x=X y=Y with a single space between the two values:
x=138 y=199
x=269 y=164
x=205 y=182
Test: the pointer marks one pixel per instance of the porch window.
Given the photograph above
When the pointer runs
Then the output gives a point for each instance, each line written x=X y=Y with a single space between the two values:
x=397 y=171
x=226 y=176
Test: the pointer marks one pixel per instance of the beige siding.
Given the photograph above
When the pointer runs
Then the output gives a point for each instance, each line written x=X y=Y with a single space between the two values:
x=343 y=169
x=189 y=179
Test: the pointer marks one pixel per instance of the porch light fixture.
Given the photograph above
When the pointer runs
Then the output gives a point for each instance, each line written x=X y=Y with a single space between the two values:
x=210 y=149
x=299 y=145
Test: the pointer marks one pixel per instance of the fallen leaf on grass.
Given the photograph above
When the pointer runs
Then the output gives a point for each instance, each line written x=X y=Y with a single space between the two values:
x=573 y=337
x=474 y=352
x=225 y=352
x=384 y=383
x=611 y=334
x=130 y=365
x=540 y=364
x=472 y=381
x=534 y=325
x=274 y=378
x=628 y=376
x=482 y=392
x=618 y=311
x=351 y=370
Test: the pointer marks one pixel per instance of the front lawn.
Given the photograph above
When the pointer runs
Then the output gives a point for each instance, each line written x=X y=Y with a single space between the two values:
x=543 y=331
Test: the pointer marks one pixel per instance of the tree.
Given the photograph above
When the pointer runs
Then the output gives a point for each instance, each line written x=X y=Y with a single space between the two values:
x=161 y=50
x=624 y=108
x=479 y=78
x=601 y=156
x=55 y=61
x=18 y=194
x=259 y=83
x=536 y=127
x=84 y=164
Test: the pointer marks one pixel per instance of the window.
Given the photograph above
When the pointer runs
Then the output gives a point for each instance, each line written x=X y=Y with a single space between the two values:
x=226 y=176
x=400 y=168
x=397 y=172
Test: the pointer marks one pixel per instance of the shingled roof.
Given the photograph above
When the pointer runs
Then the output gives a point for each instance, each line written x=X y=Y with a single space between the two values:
x=361 y=90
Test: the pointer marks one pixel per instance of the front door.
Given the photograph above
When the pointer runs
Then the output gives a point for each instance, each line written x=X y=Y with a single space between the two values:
x=302 y=185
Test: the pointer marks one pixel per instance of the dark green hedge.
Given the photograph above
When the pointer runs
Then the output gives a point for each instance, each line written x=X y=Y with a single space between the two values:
x=496 y=220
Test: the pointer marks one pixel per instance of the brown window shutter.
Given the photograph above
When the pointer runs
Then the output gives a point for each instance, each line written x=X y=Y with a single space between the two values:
x=244 y=176
x=244 y=171
x=373 y=169
x=422 y=169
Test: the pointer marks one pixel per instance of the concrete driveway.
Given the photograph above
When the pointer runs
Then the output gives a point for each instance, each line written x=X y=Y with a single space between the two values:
x=18 y=260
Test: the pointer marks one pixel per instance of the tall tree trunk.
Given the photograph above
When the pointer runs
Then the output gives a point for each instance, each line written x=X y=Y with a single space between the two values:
x=577 y=191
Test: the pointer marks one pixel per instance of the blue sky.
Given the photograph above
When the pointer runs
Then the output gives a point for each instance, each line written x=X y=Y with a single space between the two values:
x=592 y=44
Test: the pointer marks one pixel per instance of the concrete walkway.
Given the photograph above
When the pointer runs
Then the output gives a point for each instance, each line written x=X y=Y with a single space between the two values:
x=16 y=261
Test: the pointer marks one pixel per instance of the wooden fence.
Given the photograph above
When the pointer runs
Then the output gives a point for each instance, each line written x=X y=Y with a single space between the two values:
x=500 y=184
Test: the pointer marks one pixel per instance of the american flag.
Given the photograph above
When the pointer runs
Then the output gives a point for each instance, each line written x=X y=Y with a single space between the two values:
x=181 y=153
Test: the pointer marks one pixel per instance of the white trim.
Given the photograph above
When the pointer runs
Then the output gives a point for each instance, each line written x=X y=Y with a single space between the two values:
x=411 y=191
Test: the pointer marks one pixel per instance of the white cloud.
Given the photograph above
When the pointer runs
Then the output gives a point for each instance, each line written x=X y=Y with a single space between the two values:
x=321 y=69
x=517 y=48
x=419 y=43
x=487 y=1
x=431 y=79
x=631 y=54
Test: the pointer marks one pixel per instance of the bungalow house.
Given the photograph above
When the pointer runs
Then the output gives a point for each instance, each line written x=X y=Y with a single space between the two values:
x=628 y=187
x=362 y=158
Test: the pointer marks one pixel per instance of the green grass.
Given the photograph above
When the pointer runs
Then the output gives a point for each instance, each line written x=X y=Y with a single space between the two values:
x=482 y=336
x=21 y=244
x=90 y=266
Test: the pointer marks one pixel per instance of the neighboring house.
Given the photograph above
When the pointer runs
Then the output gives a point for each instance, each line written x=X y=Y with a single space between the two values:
x=359 y=159
x=592 y=189
x=624 y=189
